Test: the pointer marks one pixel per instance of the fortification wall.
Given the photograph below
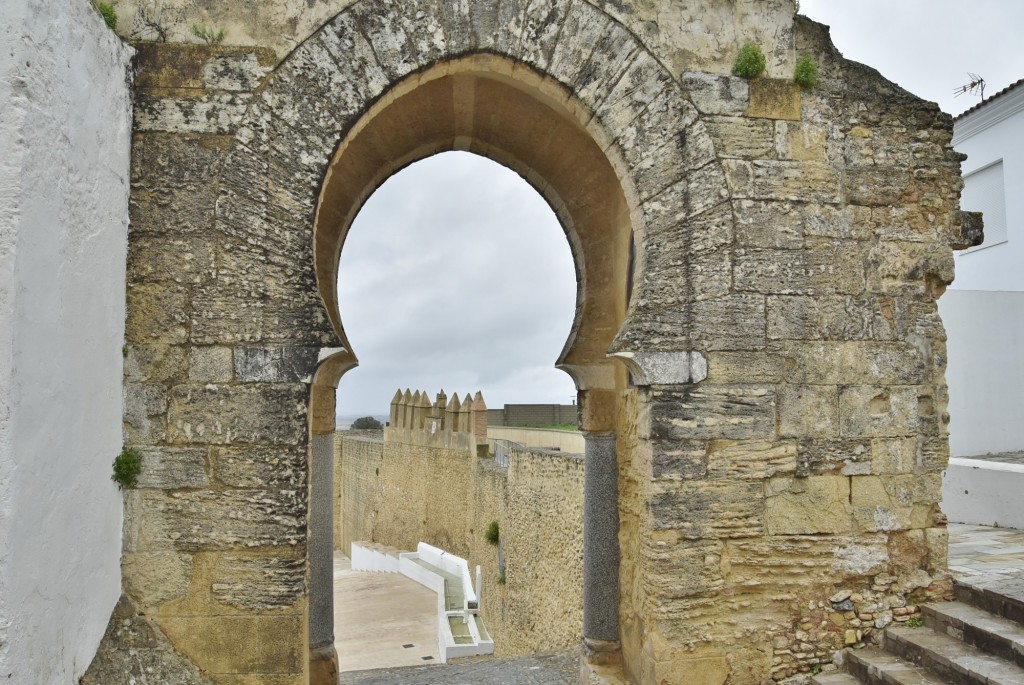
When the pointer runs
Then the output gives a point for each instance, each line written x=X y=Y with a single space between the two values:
x=408 y=487
x=65 y=114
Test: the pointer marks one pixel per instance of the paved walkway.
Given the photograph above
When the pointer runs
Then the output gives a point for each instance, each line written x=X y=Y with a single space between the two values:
x=983 y=550
x=382 y=619
x=561 y=668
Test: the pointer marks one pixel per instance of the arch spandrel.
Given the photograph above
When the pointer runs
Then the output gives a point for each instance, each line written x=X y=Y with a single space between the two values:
x=570 y=57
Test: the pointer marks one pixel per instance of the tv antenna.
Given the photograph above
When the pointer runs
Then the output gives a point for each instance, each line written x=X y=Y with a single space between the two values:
x=975 y=87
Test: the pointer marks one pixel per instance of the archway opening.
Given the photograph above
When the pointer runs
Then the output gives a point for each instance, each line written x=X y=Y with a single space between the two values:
x=501 y=110
x=456 y=276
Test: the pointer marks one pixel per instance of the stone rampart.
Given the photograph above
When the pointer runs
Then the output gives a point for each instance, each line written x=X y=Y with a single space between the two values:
x=415 y=485
x=757 y=340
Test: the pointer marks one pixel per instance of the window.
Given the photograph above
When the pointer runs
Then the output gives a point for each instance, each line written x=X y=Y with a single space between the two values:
x=984 y=192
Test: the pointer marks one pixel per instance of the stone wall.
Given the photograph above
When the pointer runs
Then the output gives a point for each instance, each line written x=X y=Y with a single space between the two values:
x=786 y=399
x=65 y=119
x=409 y=487
x=532 y=415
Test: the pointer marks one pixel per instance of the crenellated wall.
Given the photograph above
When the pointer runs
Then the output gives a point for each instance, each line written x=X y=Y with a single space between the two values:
x=414 y=484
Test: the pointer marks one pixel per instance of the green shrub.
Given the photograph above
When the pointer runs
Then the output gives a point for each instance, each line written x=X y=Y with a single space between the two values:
x=367 y=423
x=109 y=14
x=492 y=534
x=914 y=622
x=806 y=72
x=750 y=62
x=208 y=35
x=127 y=467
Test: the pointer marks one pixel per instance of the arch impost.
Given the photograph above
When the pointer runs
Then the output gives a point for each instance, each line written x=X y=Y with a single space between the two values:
x=665 y=368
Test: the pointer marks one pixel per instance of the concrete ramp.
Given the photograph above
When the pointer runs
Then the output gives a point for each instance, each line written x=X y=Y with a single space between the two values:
x=461 y=629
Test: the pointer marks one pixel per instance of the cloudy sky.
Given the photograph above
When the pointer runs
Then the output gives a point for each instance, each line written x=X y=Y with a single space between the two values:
x=457 y=275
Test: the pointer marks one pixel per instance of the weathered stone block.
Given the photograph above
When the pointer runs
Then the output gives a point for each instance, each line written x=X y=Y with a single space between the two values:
x=877 y=411
x=217 y=644
x=774 y=99
x=189 y=111
x=739 y=367
x=735 y=322
x=258 y=583
x=196 y=66
x=145 y=413
x=735 y=412
x=829 y=456
x=220 y=415
x=155 y=364
x=710 y=510
x=755 y=460
x=893 y=456
x=279 y=651
x=210 y=364
x=715 y=94
x=162 y=257
x=135 y=650
x=789 y=181
x=801 y=142
x=259 y=467
x=156 y=314
x=808 y=411
x=275 y=364
x=776 y=225
x=853 y=363
x=840 y=317
x=683 y=460
x=849 y=222
x=742 y=137
x=173 y=468
x=822 y=268
x=206 y=520
x=153 y=578
x=807 y=506
x=875 y=186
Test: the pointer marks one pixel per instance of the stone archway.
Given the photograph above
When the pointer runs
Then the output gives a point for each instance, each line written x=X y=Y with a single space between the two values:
x=784 y=353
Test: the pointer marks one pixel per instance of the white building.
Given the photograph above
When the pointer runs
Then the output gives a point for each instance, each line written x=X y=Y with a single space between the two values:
x=984 y=308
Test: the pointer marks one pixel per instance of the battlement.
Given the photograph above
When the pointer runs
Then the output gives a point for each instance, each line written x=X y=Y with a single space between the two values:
x=451 y=423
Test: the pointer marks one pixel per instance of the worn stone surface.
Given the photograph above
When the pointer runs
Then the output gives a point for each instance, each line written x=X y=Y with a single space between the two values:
x=788 y=244
x=135 y=650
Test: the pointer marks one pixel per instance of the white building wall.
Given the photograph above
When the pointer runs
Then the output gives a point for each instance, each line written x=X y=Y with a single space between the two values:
x=983 y=310
x=64 y=151
x=985 y=370
x=988 y=135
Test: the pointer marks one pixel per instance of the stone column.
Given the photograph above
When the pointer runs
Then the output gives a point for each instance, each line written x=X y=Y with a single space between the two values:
x=600 y=548
x=323 y=658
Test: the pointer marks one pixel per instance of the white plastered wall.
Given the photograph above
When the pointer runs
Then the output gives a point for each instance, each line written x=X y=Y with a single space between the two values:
x=65 y=124
x=985 y=370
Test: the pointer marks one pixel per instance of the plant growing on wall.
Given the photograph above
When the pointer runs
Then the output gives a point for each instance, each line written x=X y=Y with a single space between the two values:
x=127 y=467
x=492 y=534
x=750 y=62
x=108 y=13
x=208 y=35
x=805 y=74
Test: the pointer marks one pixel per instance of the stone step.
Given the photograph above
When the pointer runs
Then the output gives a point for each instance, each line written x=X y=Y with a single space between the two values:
x=872 y=666
x=838 y=678
x=975 y=626
x=952 y=661
x=998 y=594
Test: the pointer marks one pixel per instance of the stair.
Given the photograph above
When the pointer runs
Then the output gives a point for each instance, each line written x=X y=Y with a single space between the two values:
x=976 y=640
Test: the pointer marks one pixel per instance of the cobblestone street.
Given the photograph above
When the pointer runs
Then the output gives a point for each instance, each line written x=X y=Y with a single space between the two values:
x=560 y=668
